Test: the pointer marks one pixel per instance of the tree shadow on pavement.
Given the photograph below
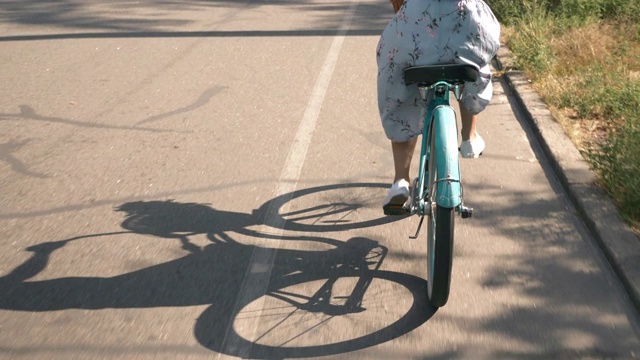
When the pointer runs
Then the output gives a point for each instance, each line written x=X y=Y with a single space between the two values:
x=168 y=19
x=213 y=275
x=543 y=255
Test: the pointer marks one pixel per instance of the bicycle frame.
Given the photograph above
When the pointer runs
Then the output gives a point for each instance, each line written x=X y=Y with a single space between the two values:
x=440 y=131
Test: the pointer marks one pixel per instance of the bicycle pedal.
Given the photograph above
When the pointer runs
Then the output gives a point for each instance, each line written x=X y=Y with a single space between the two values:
x=395 y=210
x=466 y=212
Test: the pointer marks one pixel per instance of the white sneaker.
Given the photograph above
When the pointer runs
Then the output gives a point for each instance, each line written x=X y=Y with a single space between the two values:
x=472 y=148
x=396 y=200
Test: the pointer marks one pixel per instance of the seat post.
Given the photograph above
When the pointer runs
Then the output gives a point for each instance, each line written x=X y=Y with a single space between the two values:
x=457 y=91
x=424 y=91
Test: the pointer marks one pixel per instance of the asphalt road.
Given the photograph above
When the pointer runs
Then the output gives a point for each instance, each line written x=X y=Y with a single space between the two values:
x=164 y=165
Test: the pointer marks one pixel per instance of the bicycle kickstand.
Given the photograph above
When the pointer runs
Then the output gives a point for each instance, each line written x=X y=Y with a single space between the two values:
x=418 y=230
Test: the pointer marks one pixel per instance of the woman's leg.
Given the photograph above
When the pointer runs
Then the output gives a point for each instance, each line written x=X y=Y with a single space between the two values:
x=472 y=144
x=469 y=121
x=402 y=155
x=398 y=195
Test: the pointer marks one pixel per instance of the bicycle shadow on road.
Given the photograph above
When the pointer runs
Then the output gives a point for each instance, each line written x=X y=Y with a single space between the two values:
x=213 y=275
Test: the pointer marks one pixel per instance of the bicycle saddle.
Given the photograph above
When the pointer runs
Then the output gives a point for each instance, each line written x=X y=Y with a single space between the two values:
x=430 y=74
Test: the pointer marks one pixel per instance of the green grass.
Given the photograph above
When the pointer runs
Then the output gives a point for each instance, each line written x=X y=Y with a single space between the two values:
x=583 y=56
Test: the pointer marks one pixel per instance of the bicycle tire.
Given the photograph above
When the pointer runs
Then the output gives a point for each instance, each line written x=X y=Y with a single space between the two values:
x=440 y=254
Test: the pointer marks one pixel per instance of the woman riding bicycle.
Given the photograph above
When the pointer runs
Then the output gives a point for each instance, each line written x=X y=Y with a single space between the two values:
x=429 y=32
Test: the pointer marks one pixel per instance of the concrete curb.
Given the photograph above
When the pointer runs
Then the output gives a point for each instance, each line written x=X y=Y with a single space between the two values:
x=619 y=244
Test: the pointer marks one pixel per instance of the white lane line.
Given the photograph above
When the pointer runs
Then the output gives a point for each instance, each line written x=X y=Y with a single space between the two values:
x=256 y=279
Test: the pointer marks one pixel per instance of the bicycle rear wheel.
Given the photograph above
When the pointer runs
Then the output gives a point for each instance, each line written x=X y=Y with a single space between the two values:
x=443 y=157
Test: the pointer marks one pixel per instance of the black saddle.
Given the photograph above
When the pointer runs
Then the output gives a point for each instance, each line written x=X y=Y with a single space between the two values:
x=430 y=74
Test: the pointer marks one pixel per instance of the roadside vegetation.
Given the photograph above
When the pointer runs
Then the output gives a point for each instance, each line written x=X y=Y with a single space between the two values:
x=583 y=57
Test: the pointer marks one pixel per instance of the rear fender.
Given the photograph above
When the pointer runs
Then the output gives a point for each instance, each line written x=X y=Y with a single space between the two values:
x=445 y=140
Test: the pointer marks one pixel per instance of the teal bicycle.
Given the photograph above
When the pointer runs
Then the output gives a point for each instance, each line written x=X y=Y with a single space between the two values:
x=437 y=192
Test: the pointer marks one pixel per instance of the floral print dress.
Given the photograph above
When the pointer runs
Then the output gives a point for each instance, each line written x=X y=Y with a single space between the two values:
x=425 y=32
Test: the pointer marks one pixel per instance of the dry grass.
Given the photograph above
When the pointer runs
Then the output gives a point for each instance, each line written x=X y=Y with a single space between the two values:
x=583 y=57
x=575 y=50
x=581 y=47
